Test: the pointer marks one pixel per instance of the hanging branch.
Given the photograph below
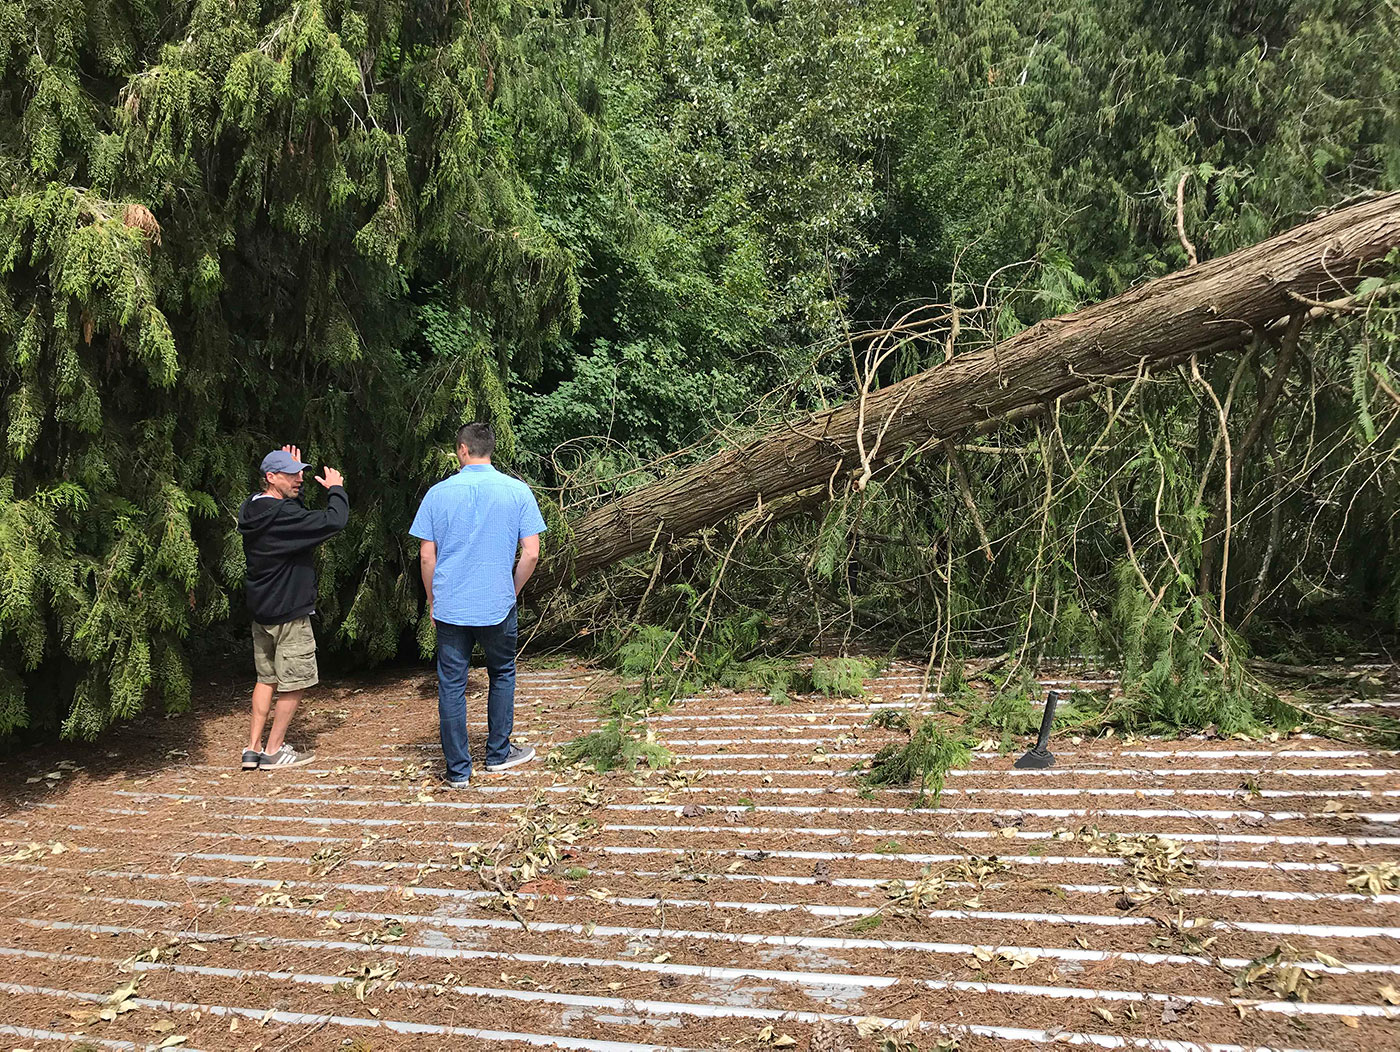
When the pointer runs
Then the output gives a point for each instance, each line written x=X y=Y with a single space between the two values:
x=970 y=502
x=1181 y=220
x=1214 y=306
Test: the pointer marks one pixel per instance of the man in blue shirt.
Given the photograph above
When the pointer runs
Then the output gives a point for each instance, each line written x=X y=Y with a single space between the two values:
x=469 y=527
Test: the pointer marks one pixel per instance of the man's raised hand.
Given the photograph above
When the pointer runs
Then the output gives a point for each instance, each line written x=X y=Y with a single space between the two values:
x=294 y=451
x=330 y=478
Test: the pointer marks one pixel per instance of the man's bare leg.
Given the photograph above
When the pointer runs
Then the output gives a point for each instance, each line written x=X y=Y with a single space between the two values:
x=262 y=704
x=281 y=720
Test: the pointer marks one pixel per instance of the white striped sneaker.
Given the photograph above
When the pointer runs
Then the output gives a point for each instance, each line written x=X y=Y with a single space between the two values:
x=518 y=754
x=284 y=757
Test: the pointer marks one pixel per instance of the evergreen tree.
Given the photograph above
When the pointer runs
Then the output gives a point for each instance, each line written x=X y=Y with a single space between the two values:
x=612 y=228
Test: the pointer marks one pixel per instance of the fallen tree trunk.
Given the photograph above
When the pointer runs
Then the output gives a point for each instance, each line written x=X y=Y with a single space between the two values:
x=1201 y=310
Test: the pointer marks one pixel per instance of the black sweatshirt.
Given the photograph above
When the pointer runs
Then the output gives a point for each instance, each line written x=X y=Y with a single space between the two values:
x=279 y=537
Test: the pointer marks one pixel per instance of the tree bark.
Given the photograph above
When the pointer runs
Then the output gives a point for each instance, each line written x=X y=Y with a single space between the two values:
x=1201 y=310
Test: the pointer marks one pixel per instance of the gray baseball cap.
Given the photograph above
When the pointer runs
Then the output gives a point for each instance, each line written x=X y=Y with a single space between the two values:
x=281 y=460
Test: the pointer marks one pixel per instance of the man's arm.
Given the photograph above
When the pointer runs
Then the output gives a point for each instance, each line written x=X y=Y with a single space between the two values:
x=529 y=559
x=427 y=559
x=298 y=528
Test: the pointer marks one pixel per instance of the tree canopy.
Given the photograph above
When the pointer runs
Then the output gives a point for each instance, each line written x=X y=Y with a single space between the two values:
x=623 y=232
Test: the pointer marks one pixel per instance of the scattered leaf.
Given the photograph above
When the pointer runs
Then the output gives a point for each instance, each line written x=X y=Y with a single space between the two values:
x=1174 y=1009
x=124 y=992
x=1374 y=878
x=868 y=1026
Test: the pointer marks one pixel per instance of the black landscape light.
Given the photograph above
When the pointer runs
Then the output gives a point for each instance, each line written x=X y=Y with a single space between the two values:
x=1040 y=756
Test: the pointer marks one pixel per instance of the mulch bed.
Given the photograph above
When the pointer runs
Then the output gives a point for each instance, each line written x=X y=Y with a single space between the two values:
x=123 y=832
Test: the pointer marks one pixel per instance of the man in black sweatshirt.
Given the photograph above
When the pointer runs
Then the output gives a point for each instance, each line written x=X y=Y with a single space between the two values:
x=280 y=535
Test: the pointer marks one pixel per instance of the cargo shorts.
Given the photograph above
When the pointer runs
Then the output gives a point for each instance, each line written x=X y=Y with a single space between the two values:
x=285 y=655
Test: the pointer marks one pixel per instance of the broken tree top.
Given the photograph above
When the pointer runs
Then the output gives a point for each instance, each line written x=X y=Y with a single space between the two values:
x=1204 y=309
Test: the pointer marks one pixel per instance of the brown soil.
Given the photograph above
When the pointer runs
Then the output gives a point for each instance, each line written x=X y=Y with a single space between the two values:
x=126 y=836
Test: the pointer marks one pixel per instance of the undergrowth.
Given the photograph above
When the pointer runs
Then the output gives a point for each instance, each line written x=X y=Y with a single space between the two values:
x=924 y=760
x=889 y=719
x=778 y=677
x=954 y=678
x=669 y=662
x=646 y=653
x=1009 y=712
x=1182 y=670
x=841 y=677
x=624 y=740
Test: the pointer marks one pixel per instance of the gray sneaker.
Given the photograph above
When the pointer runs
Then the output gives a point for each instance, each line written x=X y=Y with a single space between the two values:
x=284 y=757
x=457 y=783
x=250 y=759
x=518 y=754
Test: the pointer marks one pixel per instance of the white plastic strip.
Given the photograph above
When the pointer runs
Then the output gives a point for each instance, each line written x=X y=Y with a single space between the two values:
x=790 y=737
x=908 y=858
x=1027 y=812
x=1086 y=889
x=1031 y=834
x=395 y=1026
x=790 y=790
x=787 y=739
x=915 y=858
x=1190 y=838
x=1195 y=754
x=836 y=882
x=838 y=753
x=1186 y=772
x=1098 y=771
x=465 y=805
x=615 y=1004
x=1001 y=1032
x=29 y=1033
x=1024 y=812
x=843 y=761
x=823 y=831
x=1328 y=931
x=795 y=942
x=844 y=758
x=717 y=973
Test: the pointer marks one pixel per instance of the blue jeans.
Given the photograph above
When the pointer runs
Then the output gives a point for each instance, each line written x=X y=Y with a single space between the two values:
x=454 y=651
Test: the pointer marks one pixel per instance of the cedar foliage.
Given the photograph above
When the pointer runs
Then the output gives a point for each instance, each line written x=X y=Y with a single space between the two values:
x=226 y=226
x=615 y=230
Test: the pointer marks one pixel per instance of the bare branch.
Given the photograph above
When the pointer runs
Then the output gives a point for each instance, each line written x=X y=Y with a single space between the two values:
x=1181 y=219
